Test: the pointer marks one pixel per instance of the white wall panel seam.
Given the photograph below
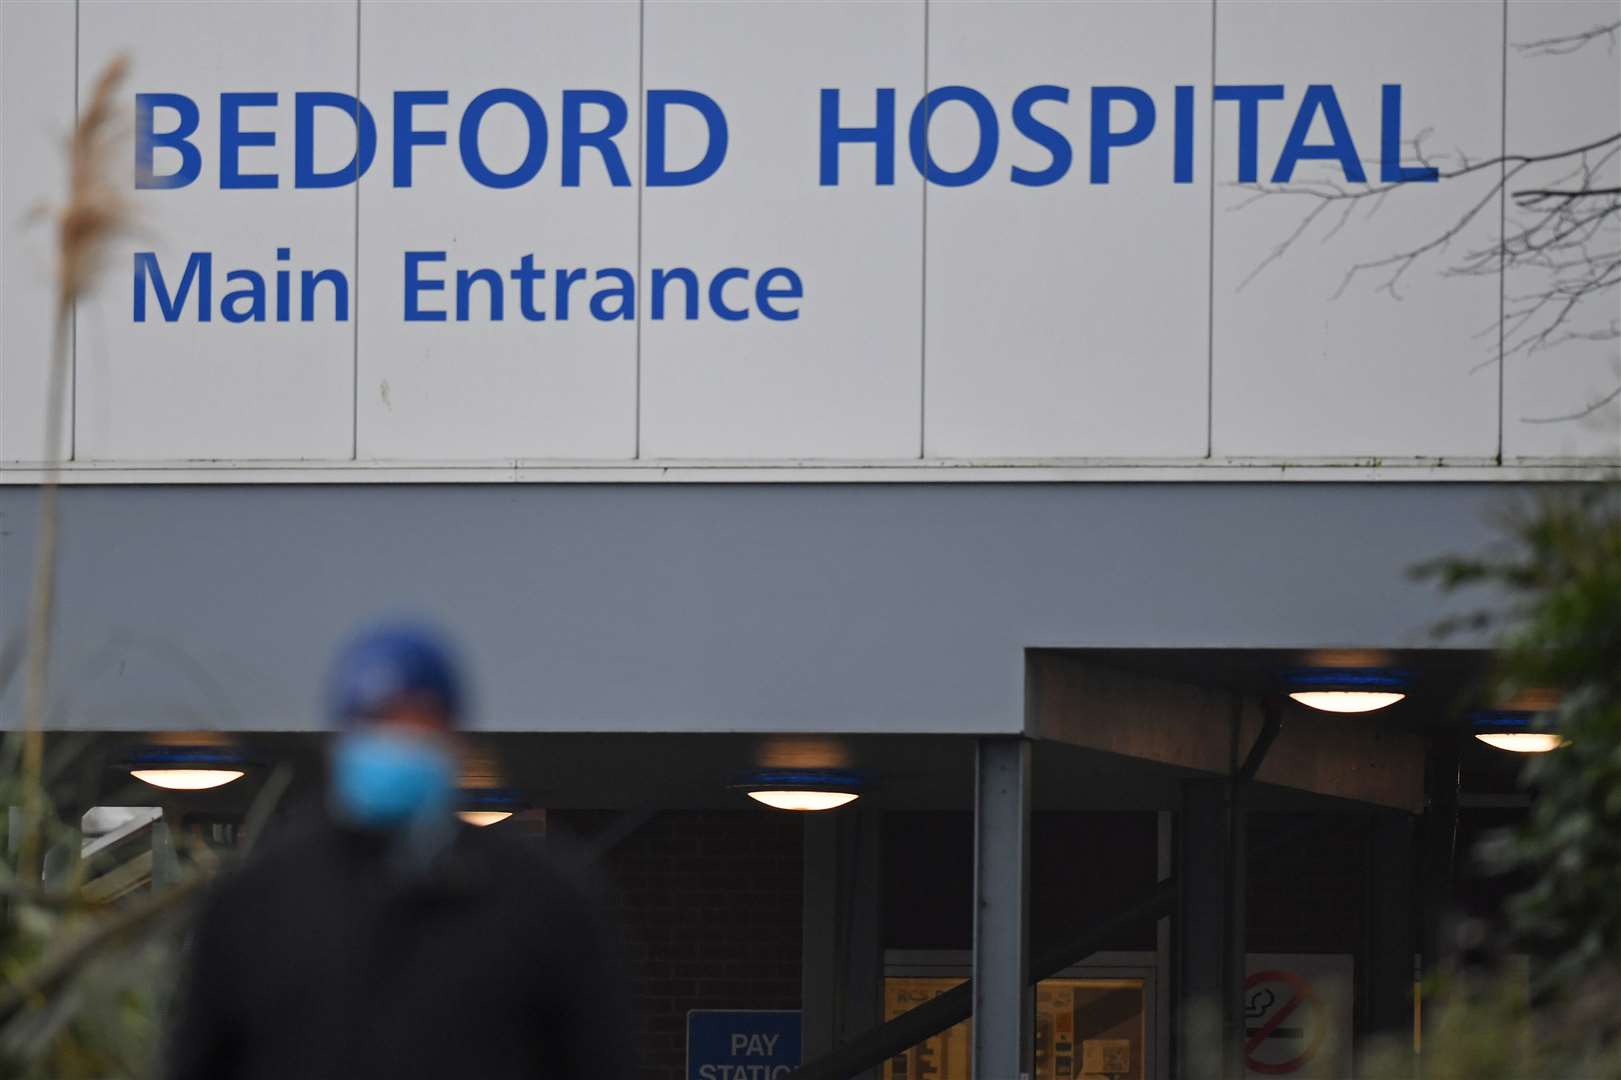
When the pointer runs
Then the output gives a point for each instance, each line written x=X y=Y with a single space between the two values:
x=1502 y=234
x=641 y=176
x=923 y=290
x=354 y=328
x=72 y=329
x=1210 y=250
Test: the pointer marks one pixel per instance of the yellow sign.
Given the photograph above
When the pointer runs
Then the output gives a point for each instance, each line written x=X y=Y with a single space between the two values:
x=1086 y=1029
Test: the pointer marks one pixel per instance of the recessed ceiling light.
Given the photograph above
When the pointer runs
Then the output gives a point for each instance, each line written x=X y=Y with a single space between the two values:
x=806 y=791
x=1347 y=701
x=1346 y=690
x=1521 y=742
x=1514 y=729
x=484 y=807
x=187 y=779
x=481 y=818
x=804 y=800
x=186 y=768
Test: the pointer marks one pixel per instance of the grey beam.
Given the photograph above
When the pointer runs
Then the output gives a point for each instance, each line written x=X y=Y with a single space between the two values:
x=1002 y=997
x=819 y=937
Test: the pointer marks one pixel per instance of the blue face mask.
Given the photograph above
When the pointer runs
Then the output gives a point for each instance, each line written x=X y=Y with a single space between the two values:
x=382 y=779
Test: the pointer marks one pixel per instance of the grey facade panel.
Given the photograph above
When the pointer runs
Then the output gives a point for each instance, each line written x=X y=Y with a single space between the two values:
x=834 y=608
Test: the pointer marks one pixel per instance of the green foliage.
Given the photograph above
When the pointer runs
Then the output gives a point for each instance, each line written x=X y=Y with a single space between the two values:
x=83 y=975
x=1484 y=1026
x=1558 y=580
x=1555 y=586
x=80 y=966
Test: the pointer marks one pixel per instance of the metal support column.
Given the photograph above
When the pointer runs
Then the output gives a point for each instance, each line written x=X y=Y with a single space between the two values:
x=1438 y=838
x=842 y=950
x=1201 y=929
x=1392 y=937
x=819 y=936
x=1004 y=1018
x=165 y=857
x=1164 y=950
x=1234 y=1026
x=861 y=1003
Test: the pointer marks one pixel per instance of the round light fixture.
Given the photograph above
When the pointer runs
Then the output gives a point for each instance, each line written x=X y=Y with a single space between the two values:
x=803 y=792
x=483 y=807
x=187 y=779
x=1514 y=731
x=788 y=799
x=1522 y=742
x=186 y=768
x=1346 y=690
x=1346 y=701
x=481 y=818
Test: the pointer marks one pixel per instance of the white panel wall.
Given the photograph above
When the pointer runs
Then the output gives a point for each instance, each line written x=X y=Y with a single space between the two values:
x=1076 y=325
x=36 y=115
x=842 y=381
x=514 y=388
x=1068 y=320
x=1298 y=371
x=189 y=390
x=1563 y=369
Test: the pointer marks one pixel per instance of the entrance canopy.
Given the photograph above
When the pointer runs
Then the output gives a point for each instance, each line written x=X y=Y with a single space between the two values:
x=836 y=609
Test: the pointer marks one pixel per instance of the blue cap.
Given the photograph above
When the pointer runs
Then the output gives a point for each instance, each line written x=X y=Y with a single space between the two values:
x=388 y=661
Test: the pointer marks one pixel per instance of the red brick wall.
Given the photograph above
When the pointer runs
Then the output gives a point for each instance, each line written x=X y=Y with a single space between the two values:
x=709 y=906
x=1083 y=867
x=709 y=903
x=1306 y=896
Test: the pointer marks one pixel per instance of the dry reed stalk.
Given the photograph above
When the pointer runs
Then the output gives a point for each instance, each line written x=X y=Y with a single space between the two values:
x=94 y=213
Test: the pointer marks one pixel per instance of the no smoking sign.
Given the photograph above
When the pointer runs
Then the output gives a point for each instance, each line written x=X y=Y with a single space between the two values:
x=1285 y=1023
x=1298 y=1016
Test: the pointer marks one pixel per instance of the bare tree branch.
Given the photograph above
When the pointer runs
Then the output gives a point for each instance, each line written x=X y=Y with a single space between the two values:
x=1566 y=44
x=1580 y=414
x=1536 y=195
x=1561 y=246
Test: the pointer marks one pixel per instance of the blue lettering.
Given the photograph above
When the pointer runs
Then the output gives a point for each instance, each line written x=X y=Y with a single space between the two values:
x=1182 y=166
x=464 y=293
x=661 y=284
x=473 y=161
x=601 y=140
x=526 y=276
x=253 y=292
x=233 y=139
x=564 y=281
x=415 y=284
x=1057 y=146
x=1319 y=98
x=406 y=136
x=283 y=278
x=717 y=298
x=658 y=173
x=989 y=135
x=304 y=105
x=178 y=139
x=199 y=268
x=1249 y=111
x=1104 y=138
x=1391 y=170
x=625 y=291
x=309 y=279
x=765 y=292
x=881 y=135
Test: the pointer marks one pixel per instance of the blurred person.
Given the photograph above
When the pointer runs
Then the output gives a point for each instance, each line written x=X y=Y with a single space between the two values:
x=377 y=936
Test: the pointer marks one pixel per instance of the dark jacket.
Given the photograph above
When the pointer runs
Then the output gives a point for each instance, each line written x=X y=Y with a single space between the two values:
x=320 y=960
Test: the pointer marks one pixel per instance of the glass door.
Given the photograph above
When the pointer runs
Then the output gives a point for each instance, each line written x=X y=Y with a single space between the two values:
x=1093 y=1021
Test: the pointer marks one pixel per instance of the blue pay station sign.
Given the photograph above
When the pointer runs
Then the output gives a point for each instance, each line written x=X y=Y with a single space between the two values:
x=742 y=1044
